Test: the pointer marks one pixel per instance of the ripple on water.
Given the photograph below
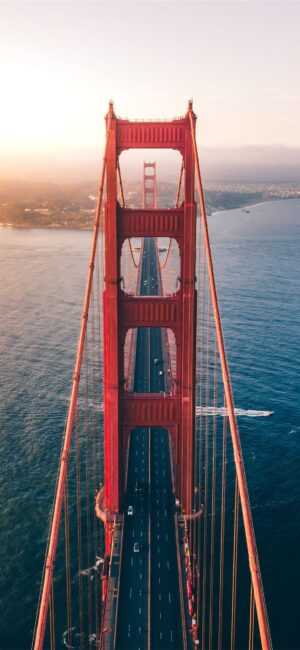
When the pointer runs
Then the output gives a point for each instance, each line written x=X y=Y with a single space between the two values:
x=258 y=275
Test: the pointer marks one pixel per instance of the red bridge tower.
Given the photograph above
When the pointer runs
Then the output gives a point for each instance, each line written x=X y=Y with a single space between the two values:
x=123 y=411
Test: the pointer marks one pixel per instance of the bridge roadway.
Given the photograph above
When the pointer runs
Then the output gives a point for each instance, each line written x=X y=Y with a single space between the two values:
x=149 y=604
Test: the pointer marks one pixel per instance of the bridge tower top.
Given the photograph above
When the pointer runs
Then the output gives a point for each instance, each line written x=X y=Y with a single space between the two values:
x=151 y=134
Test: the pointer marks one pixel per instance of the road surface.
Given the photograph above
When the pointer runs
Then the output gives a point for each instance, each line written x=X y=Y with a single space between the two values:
x=149 y=607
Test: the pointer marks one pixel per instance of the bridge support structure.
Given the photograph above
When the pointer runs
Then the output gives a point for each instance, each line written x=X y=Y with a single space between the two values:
x=123 y=410
x=150 y=185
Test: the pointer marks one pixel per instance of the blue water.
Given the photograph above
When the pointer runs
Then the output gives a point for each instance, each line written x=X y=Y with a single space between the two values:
x=257 y=264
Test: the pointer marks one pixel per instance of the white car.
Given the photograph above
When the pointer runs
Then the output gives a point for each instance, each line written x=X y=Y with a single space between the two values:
x=130 y=511
x=136 y=547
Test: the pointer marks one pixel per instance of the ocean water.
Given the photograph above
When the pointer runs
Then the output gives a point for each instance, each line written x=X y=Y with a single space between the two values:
x=257 y=263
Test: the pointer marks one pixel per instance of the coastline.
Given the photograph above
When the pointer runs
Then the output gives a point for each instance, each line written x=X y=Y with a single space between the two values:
x=246 y=206
x=56 y=226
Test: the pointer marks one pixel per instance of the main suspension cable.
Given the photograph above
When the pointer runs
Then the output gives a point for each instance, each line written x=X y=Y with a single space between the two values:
x=260 y=604
x=164 y=263
x=40 y=626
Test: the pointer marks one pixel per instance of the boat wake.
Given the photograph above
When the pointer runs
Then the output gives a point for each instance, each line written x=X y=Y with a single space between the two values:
x=200 y=410
x=223 y=412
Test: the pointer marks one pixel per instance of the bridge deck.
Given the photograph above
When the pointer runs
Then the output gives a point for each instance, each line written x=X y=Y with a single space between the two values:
x=149 y=606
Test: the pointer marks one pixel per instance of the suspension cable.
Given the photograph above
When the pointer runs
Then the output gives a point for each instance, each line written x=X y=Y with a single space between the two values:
x=132 y=254
x=202 y=288
x=179 y=184
x=222 y=533
x=251 y=620
x=164 y=263
x=79 y=523
x=254 y=566
x=60 y=486
x=52 y=620
x=68 y=563
x=234 y=566
x=213 y=502
x=206 y=483
x=121 y=182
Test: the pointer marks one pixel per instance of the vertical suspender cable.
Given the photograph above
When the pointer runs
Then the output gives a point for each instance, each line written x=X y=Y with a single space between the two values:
x=60 y=486
x=68 y=563
x=222 y=534
x=52 y=620
x=200 y=430
x=206 y=484
x=213 y=505
x=260 y=604
x=164 y=263
x=234 y=566
x=251 y=620
x=121 y=183
x=123 y=205
x=94 y=446
x=79 y=525
x=179 y=184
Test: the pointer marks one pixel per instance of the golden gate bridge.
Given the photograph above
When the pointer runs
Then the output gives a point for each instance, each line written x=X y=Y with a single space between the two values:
x=151 y=540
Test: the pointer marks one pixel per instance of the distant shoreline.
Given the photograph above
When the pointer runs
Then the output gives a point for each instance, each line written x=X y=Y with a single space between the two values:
x=245 y=206
x=56 y=227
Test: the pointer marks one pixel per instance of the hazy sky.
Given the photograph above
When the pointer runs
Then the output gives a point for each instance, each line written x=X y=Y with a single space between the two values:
x=62 y=61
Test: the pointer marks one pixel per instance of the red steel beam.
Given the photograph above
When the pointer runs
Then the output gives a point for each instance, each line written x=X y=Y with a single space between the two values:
x=150 y=311
x=60 y=486
x=151 y=135
x=150 y=409
x=140 y=222
x=259 y=598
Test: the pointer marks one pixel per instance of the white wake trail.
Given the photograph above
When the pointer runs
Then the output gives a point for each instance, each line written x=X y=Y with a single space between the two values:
x=222 y=412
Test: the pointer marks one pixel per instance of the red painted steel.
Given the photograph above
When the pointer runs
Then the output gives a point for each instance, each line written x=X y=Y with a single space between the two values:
x=154 y=311
x=254 y=566
x=146 y=409
x=150 y=223
x=150 y=186
x=112 y=351
x=63 y=466
x=124 y=410
x=152 y=135
x=123 y=312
